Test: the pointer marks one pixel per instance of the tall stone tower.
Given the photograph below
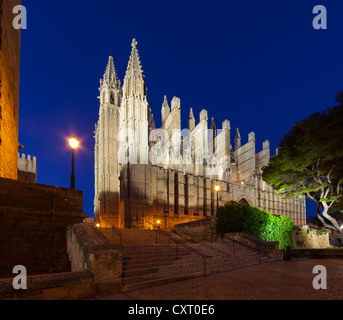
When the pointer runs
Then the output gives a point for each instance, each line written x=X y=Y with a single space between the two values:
x=121 y=136
x=9 y=90
x=107 y=188
x=135 y=114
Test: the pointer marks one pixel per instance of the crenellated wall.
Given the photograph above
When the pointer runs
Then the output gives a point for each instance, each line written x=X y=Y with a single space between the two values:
x=27 y=168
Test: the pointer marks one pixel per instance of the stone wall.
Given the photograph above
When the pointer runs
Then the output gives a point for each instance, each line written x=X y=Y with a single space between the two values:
x=270 y=248
x=151 y=193
x=96 y=267
x=198 y=230
x=27 y=168
x=205 y=230
x=9 y=90
x=89 y=250
x=61 y=286
x=33 y=224
x=308 y=238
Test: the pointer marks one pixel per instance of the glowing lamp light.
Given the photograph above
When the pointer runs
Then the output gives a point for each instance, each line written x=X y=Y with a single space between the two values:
x=98 y=225
x=217 y=188
x=158 y=222
x=73 y=143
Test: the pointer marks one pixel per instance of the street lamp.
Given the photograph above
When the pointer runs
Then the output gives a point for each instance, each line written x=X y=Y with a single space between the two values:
x=73 y=144
x=217 y=188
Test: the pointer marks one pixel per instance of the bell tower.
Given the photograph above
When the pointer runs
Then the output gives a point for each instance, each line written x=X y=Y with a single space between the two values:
x=135 y=113
x=107 y=186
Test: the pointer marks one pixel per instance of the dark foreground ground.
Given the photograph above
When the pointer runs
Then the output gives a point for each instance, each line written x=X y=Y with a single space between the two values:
x=282 y=280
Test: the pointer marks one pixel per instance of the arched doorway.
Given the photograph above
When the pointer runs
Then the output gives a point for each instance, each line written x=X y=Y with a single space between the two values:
x=244 y=202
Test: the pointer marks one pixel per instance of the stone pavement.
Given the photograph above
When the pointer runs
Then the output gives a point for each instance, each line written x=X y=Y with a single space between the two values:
x=281 y=280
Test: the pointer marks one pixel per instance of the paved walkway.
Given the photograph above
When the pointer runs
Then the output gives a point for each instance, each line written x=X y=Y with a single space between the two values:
x=281 y=280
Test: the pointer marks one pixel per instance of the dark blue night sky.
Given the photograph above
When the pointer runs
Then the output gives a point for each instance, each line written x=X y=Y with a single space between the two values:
x=259 y=64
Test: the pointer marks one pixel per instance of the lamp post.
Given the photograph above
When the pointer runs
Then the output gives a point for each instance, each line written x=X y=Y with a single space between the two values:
x=217 y=188
x=73 y=144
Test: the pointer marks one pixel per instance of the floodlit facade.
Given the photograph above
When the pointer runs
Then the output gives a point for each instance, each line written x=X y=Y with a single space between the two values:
x=145 y=174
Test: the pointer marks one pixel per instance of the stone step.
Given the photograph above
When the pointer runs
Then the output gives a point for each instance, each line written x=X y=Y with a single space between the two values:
x=154 y=282
x=151 y=255
x=139 y=236
x=146 y=264
x=144 y=248
x=169 y=278
x=191 y=265
x=169 y=272
x=137 y=263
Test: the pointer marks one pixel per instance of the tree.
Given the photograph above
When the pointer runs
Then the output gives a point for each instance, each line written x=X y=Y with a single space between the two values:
x=310 y=162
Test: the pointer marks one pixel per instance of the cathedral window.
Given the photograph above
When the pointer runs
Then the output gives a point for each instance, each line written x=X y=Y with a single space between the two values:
x=112 y=98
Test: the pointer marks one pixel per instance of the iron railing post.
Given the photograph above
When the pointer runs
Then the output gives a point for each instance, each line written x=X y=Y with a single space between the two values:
x=186 y=247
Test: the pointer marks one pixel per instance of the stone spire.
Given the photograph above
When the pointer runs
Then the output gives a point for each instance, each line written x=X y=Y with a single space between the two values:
x=134 y=67
x=135 y=110
x=165 y=109
x=191 y=114
x=237 y=140
x=110 y=76
x=165 y=102
x=213 y=126
x=152 y=121
x=191 y=121
x=110 y=87
x=134 y=78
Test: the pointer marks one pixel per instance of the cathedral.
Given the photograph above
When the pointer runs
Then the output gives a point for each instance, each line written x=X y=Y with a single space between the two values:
x=147 y=177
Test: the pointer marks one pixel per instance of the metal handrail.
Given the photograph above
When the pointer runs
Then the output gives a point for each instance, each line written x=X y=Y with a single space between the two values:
x=245 y=245
x=114 y=228
x=178 y=242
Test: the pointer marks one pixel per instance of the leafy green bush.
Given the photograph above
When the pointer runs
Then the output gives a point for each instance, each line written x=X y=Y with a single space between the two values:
x=235 y=217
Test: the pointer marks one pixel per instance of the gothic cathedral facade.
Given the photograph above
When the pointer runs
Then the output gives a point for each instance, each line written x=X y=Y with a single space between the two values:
x=147 y=176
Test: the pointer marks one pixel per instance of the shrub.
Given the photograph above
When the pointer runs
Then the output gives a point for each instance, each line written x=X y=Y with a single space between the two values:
x=235 y=217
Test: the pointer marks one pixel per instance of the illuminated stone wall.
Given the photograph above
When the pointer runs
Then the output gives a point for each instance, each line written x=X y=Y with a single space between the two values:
x=177 y=183
x=27 y=168
x=9 y=90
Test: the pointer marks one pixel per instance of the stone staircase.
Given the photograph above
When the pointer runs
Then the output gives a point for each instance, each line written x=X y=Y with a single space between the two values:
x=146 y=264
x=138 y=237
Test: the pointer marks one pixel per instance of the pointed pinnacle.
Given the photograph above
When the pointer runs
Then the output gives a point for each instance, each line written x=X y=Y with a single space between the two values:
x=110 y=75
x=165 y=102
x=134 y=67
x=134 y=43
x=237 y=133
x=191 y=114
